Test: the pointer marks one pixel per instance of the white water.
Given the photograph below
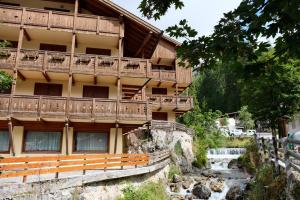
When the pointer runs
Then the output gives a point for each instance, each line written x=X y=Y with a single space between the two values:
x=219 y=159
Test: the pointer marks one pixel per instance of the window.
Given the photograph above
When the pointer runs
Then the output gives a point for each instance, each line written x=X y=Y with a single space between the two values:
x=4 y=141
x=95 y=92
x=48 y=89
x=161 y=91
x=91 y=141
x=161 y=116
x=53 y=47
x=106 y=52
x=42 y=141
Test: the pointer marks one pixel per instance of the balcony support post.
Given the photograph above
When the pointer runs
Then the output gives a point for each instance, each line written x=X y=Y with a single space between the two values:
x=11 y=140
x=75 y=15
x=67 y=137
x=116 y=138
x=118 y=99
x=120 y=46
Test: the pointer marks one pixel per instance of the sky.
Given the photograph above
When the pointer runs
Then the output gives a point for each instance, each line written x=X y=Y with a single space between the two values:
x=202 y=15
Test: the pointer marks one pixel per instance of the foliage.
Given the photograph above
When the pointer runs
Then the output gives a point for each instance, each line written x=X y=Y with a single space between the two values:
x=174 y=170
x=267 y=185
x=5 y=81
x=237 y=35
x=178 y=149
x=272 y=90
x=200 y=155
x=295 y=191
x=157 y=8
x=236 y=142
x=251 y=159
x=147 y=191
x=245 y=118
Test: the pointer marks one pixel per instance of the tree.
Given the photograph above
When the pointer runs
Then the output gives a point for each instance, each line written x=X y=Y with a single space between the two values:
x=245 y=118
x=272 y=90
x=237 y=35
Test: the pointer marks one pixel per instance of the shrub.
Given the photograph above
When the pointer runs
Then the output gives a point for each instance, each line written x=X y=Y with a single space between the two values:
x=201 y=154
x=250 y=160
x=147 y=191
x=174 y=169
x=178 y=149
x=267 y=185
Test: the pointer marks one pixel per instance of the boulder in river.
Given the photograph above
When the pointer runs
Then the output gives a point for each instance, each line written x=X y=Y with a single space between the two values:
x=216 y=186
x=201 y=191
x=235 y=193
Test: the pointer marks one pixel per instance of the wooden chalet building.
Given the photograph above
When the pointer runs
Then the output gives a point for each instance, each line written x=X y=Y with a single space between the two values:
x=86 y=72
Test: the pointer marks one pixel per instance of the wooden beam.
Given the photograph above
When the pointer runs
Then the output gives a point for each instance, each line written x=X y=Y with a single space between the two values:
x=67 y=137
x=46 y=76
x=159 y=60
x=11 y=138
x=116 y=138
x=21 y=76
x=146 y=40
x=159 y=84
x=27 y=36
x=95 y=80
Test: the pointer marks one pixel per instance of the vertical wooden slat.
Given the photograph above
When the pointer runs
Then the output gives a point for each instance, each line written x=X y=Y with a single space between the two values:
x=49 y=20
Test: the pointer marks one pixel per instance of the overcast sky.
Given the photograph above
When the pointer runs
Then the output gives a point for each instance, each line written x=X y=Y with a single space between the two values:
x=203 y=15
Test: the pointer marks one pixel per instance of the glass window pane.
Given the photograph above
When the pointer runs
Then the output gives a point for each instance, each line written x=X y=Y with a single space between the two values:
x=91 y=142
x=4 y=141
x=42 y=141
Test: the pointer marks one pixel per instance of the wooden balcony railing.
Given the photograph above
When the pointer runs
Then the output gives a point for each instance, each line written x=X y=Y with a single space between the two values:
x=51 y=61
x=163 y=75
x=181 y=103
x=79 y=108
x=31 y=17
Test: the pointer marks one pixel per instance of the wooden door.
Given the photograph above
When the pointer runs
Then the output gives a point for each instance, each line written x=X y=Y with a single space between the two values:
x=160 y=91
x=95 y=92
x=53 y=47
x=48 y=89
x=161 y=116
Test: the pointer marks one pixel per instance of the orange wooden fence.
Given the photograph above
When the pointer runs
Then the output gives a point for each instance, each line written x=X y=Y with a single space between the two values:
x=26 y=166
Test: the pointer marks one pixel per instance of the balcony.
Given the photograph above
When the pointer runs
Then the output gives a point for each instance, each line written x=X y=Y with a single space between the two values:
x=163 y=75
x=78 y=109
x=176 y=103
x=59 y=62
x=62 y=21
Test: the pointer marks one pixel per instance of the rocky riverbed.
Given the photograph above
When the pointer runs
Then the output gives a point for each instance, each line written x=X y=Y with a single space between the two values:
x=216 y=183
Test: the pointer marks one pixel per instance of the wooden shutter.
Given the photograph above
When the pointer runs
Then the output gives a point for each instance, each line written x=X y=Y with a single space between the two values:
x=161 y=116
x=95 y=92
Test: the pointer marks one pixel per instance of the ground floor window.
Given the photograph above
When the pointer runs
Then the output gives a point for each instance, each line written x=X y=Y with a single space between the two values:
x=42 y=141
x=161 y=116
x=91 y=142
x=4 y=141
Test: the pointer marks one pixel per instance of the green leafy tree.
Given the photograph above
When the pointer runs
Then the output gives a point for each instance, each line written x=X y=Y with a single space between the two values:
x=245 y=118
x=272 y=90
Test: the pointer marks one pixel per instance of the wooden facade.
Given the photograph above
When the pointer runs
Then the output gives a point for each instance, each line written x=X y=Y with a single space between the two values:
x=99 y=62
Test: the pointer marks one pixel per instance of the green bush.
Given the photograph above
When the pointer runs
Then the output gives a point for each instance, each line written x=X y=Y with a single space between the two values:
x=267 y=185
x=147 y=191
x=200 y=154
x=178 y=149
x=250 y=160
x=174 y=169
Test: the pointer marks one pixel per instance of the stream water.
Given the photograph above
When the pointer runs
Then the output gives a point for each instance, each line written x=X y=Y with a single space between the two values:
x=219 y=159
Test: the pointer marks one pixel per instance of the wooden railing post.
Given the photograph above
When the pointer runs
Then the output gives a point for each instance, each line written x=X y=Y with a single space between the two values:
x=287 y=163
x=49 y=20
x=25 y=177
x=275 y=145
x=23 y=17
x=39 y=108
x=57 y=166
